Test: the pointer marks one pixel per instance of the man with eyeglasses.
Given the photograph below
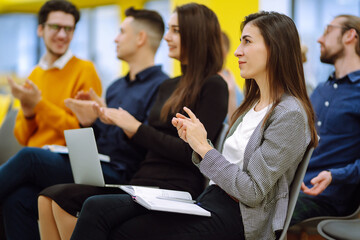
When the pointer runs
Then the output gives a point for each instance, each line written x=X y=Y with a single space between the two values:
x=43 y=116
x=333 y=174
x=59 y=75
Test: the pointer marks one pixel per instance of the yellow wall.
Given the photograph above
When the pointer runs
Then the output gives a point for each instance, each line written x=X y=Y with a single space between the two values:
x=230 y=14
x=33 y=6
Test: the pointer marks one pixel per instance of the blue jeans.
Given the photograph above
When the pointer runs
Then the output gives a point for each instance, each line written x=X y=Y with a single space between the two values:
x=23 y=176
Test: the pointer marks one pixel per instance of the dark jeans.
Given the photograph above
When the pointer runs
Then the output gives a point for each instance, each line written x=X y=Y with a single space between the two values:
x=2 y=230
x=311 y=206
x=22 y=177
x=119 y=217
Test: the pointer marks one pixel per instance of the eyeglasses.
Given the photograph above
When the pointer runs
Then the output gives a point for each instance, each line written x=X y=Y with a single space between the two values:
x=55 y=28
x=329 y=27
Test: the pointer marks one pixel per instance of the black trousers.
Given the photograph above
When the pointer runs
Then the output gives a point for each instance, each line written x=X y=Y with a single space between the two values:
x=119 y=217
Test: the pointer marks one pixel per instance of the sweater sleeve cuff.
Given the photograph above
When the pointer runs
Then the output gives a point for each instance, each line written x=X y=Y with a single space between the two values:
x=29 y=121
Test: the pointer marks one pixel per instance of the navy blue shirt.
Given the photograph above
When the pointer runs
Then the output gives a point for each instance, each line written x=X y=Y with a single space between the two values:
x=337 y=106
x=136 y=97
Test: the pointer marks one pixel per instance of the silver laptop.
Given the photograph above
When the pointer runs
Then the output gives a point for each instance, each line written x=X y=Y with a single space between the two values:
x=84 y=157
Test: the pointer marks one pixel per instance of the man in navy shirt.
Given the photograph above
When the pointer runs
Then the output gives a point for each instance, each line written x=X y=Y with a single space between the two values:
x=334 y=169
x=34 y=169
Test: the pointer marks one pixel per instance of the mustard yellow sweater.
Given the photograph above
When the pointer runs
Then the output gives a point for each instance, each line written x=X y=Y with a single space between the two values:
x=52 y=117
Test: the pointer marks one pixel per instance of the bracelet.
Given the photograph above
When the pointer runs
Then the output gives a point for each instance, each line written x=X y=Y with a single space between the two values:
x=31 y=117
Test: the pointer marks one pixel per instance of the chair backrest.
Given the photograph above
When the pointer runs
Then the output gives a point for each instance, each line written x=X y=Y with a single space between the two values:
x=8 y=143
x=221 y=137
x=295 y=189
x=333 y=229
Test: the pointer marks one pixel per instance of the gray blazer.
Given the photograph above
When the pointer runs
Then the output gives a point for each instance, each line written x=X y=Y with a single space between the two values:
x=270 y=161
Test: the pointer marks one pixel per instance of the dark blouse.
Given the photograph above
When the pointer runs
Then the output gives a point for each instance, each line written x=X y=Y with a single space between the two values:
x=168 y=161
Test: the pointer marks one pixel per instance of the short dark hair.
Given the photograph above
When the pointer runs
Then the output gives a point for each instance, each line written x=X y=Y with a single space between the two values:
x=57 y=5
x=152 y=22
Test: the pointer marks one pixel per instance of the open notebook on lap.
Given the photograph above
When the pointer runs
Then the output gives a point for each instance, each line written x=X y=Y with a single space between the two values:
x=86 y=169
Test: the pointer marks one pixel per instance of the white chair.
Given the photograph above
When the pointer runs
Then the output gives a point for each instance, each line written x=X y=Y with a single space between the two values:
x=334 y=229
x=295 y=189
x=9 y=146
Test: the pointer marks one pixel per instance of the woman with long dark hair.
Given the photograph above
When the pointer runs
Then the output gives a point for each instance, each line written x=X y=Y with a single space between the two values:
x=250 y=179
x=194 y=39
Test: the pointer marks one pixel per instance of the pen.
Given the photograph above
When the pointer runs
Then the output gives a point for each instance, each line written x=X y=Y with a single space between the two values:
x=176 y=199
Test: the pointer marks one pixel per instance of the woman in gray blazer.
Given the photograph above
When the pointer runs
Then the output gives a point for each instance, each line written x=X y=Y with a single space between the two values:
x=250 y=179
x=269 y=134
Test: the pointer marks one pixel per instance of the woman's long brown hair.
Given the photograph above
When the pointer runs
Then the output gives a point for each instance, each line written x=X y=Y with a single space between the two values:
x=284 y=66
x=200 y=55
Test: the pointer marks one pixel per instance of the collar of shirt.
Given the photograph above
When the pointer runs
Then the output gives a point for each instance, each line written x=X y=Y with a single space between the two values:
x=59 y=63
x=143 y=75
x=353 y=76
